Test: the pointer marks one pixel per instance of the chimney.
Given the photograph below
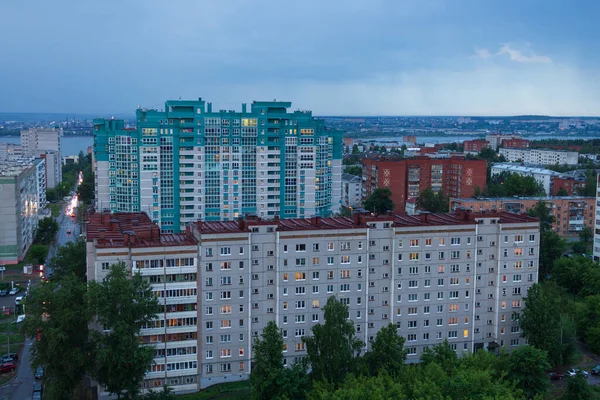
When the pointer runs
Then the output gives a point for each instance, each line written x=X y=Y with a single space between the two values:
x=241 y=223
x=132 y=237
x=188 y=231
x=424 y=216
x=105 y=218
x=356 y=218
x=314 y=220
x=102 y=232
x=113 y=224
x=209 y=106
x=126 y=238
x=244 y=108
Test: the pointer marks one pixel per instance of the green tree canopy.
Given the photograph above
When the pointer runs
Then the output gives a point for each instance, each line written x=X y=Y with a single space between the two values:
x=333 y=349
x=434 y=202
x=353 y=170
x=70 y=258
x=122 y=305
x=59 y=313
x=528 y=367
x=47 y=229
x=552 y=247
x=578 y=388
x=269 y=378
x=562 y=192
x=387 y=352
x=441 y=354
x=380 y=201
x=542 y=212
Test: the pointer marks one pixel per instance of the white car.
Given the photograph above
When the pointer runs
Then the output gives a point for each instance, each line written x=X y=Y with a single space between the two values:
x=13 y=291
x=18 y=300
x=574 y=371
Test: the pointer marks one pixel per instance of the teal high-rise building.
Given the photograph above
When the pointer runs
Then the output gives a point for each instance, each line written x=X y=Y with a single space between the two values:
x=188 y=162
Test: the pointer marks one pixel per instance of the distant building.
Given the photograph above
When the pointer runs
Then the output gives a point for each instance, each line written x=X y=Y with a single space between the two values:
x=572 y=185
x=19 y=209
x=40 y=177
x=597 y=222
x=351 y=191
x=410 y=140
x=496 y=139
x=475 y=145
x=70 y=160
x=542 y=176
x=571 y=213
x=9 y=151
x=515 y=143
x=455 y=176
x=45 y=143
x=540 y=156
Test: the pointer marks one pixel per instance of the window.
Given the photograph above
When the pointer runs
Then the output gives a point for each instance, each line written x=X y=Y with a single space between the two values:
x=225 y=251
x=518 y=238
x=345 y=246
x=455 y=254
x=413 y=270
x=414 y=242
x=414 y=257
x=532 y=238
x=300 y=247
x=428 y=242
x=330 y=246
x=455 y=241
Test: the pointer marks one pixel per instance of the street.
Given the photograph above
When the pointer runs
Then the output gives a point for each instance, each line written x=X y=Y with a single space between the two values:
x=21 y=387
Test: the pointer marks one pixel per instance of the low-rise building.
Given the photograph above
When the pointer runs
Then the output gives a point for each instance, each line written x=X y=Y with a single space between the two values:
x=351 y=191
x=18 y=209
x=572 y=185
x=475 y=145
x=460 y=277
x=496 y=139
x=571 y=213
x=10 y=151
x=515 y=143
x=544 y=177
x=540 y=156
x=70 y=160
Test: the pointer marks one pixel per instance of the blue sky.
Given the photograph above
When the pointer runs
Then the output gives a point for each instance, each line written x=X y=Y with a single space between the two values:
x=351 y=57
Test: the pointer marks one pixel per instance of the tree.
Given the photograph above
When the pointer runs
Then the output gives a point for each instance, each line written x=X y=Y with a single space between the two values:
x=562 y=192
x=589 y=322
x=579 y=389
x=552 y=248
x=355 y=149
x=380 y=201
x=431 y=201
x=47 y=229
x=441 y=354
x=572 y=273
x=332 y=350
x=527 y=367
x=85 y=192
x=122 y=305
x=545 y=324
x=269 y=378
x=388 y=352
x=59 y=313
x=165 y=394
x=590 y=184
x=541 y=211
x=353 y=170
x=70 y=258
x=37 y=254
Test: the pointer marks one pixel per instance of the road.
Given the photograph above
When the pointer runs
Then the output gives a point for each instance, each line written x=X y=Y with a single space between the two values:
x=21 y=387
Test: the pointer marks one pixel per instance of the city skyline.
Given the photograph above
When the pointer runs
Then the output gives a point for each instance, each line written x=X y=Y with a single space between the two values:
x=387 y=58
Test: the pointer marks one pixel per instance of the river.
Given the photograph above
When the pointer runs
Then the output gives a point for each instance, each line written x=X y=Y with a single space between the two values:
x=71 y=145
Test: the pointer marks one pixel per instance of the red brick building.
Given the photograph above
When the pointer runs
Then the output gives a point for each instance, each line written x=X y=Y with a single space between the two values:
x=515 y=143
x=455 y=176
x=570 y=184
x=475 y=145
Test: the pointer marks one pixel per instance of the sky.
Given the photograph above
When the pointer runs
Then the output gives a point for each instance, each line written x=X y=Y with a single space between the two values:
x=335 y=57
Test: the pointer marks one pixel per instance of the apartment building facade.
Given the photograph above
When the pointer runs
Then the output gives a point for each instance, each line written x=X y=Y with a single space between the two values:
x=571 y=213
x=351 y=191
x=18 y=209
x=475 y=145
x=460 y=276
x=540 y=156
x=597 y=222
x=45 y=143
x=545 y=177
x=515 y=143
x=190 y=163
x=496 y=139
x=455 y=176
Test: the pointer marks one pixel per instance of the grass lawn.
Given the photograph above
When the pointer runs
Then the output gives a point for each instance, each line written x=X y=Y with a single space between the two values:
x=7 y=376
x=55 y=209
x=234 y=390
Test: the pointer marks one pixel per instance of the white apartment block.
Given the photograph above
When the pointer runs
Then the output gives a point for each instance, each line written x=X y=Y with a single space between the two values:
x=45 y=143
x=351 y=191
x=495 y=139
x=18 y=209
x=540 y=156
x=544 y=177
x=597 y=222
x=460 y=277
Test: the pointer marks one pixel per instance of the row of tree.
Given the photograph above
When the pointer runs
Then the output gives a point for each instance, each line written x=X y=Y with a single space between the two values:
x=61 y=312
x=339 y=371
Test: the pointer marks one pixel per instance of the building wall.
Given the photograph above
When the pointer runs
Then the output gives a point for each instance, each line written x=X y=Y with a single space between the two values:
x=597 y=222
x=515 y=143
x=571 y=185
x=572 y=213
x=193 y=163
x=540 y=156
x=18 y=213
x=38 y=141
x=40 y=171
x=352 y=193
x=460 y=282
x=542 y=176
x=407 y=178
x=475 y=145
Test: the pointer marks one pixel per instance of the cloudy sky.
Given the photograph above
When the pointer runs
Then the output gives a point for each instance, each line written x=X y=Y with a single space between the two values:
x=336 y=57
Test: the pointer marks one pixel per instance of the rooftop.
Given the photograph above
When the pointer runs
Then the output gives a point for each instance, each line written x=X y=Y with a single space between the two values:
x=521 y=168
x=131 y=230
x=518 y=198
x=350 y=178
x=12 y=168
x=358 y=220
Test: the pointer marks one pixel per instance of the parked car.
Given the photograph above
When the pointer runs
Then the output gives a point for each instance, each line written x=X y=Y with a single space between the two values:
x=596 y=370
x=13 y=356
x=39 y=373
x=68 y=231
x=13 y=291
x=7 y=367
x=3 y=293
x=38 y=388
x=555 y=376
x=18 y=300
x=574 y=371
